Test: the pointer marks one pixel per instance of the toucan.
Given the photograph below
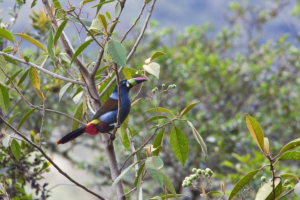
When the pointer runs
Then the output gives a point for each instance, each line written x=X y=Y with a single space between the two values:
x=105 y=118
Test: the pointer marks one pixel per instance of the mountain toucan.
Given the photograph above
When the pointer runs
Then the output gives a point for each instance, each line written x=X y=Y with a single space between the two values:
x=105 y=118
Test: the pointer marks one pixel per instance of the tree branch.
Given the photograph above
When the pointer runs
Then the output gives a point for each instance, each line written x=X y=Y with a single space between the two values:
x=50 y=160
x=42 y=69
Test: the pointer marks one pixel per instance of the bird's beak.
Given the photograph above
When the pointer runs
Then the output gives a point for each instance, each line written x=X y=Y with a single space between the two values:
x=136 y=81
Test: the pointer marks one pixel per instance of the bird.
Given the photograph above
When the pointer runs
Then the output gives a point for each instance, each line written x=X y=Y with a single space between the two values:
x=105 y=118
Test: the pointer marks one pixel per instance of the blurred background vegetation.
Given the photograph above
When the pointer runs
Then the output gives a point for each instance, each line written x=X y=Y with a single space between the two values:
x=244 y=59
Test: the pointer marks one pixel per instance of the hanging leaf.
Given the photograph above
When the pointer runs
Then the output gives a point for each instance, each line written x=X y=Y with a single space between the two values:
x=122 y=174
x=63 y=90
x=297 y=189
x=179 y=145
x=39 y=93
x=123 y=134
x=24 y=118
x=85 y=2
x=169 y=185
x=103 y=21
x=33 y=3
x=290 y=145
x=188 y=108
x=32 y=41
x=59 y=31
x=155 y=118
x=34 y=78
x=266 y=191
x=256 y=132
x=13 y=77
x=153 y=68
x=291 y=155
x=108 y=15
x=40 y=61
x=241 y=183
x=77 y=115
x=154 y=55
x=118 y=10
x=4 y=98
x=23 y=77
x=158 y=142
x=80 y=49
x=7 y=35
x=10 y=119
x=199 y=139
x=15 y=149
x=117 y=52
x=139 y=174
x=153 y=165
x=159 y=109
x=50 y=44
x=86 y=22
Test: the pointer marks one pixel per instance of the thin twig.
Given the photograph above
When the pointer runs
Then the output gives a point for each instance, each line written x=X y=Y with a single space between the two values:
x=138 y=92
x=137 y=19
x=130 y=191
x=42 y=69
x=50 y=160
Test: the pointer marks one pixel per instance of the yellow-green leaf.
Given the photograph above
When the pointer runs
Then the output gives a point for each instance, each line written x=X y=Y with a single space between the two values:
x=86 y=1
x=290 y=145
x=80 y=49
x=153 y=68
x=199 y=139
x=108 y=15
x=23 y=77
x=291 y=155
x=34 y=78
x=188 y=108
x=155 y=118
x=158 y=142
x=169 y=185
x=123 y=134
x=102 y=21
x=39 y=93
x=159 y=109
x=59 y=31
x=290 y=175
x=154 y=55
x=7 y=35
x=256 y=132
x=32 y=41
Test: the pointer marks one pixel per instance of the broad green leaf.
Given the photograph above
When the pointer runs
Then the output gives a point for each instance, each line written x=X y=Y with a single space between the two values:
x=199 y=139
x=290 y=145
x=291 y=155
x=123 y=134
x=122 y=174
x=179 y=145
x=241 y=183
x=256 y=132
x=86 y=22
x=77 y=115
x=265 y=192
x=159 y=109
x=34 y=78
x=15 y=149
x=23 y=77
x=80 y=49
x=126 y=73
x=169 y=185
x=188 y=108
x=59 y=31
x=3 y=66
x=50 y=44
x=154 y=55
x=139 y=174
x=158 y=142
x=117 y=52
x=4 y=98
x=103 y=21
x=33 y=3
x=65 y=57
x=86 y=1
x=155 y=118
x=153 y=165
x=10 y=119
x=13 y=76
x=40 y=61
x=24 y=118
x=130 y=72
x=289 y=175
x=7 y=35
x=297 y=189
x=118 y=10
x=108 y=15
x=32 y=41
x=63 y=90
x=77 y=91
x=153 y=68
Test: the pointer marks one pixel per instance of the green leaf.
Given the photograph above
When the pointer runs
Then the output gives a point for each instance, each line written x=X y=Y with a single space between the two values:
x=24 y=118
x=153 y=68
x=63 y=90
x=139 y=184
x=7 y=35
x=65 y=57
x=158 y=142
x=199 y=139
x=85 y=2
x=139 y=174
x=50 y=44
x=40 y=61
x=86 y=22
x=126 y=73
x=33 y=3
x=117 y=52
x=4 y=98
x=77 y=91
x=159 y=109
x=118 y=10
x=256 y=132
x=155 y=118
x=179 y=145
x=290 y=175
x=109 y=91
x=57 y=5
x=188 y=108
x=103 y=21
x=123 y=134
x=291 y=155
x=154 y=55
x=129 y=73
x=77 y=115
x=39 y=93
x=3 y=66
x=148 y=1
x=8 y=49
x=23 y=77
x=80 y=49
x=96 y=28
x=297 y=189
x=102 y=2
x=108 y=15
x=5 y=141
x=34 y=78
x=153 y=165
x=213 y=193
x=15 y=149
x=13 y=76
x=32 y=41
x=169 y=185
x=241 y=183
x=290 y=145
x=265 y=192
x=10 y=119
x=169 y=196
x=59 y=31
x=122 y=174
x=8 y=59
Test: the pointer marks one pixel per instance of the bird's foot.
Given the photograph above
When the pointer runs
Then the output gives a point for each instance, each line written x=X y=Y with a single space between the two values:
x=112 y=137
x=117 y=126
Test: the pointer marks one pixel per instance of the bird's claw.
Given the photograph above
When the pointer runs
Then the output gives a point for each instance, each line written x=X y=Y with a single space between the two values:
x=112 y=137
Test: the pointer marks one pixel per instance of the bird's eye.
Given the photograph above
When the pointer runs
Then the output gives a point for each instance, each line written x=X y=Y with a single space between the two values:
x=128 y=85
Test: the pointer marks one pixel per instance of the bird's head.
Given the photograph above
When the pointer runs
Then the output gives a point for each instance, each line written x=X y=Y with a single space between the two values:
x=126 y=85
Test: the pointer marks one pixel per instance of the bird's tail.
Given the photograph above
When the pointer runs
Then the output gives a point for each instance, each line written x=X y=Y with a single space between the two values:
x=72 y=135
